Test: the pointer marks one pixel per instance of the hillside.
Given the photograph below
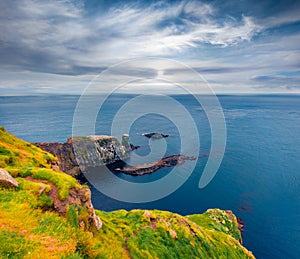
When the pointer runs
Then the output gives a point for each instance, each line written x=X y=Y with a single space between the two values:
x=50 y=215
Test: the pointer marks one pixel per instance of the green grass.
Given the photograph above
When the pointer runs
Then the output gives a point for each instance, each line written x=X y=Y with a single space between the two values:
x=15 y=245
x=218 y=220
x=22 y=159
x=26 y=230
x=149 y=237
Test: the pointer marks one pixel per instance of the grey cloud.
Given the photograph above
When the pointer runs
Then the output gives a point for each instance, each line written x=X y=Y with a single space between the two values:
x=211 y=70
x=275 y=78
x=134 y=71
x=277 y=82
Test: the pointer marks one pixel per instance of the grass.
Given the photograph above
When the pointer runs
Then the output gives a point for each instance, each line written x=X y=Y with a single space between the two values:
x=22 y=159
x=218 y=220
x=28 y=229
x=148 y=235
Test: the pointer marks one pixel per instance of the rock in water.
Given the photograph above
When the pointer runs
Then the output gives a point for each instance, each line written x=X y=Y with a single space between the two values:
x=7 y=180
x=154 y=166
x=155 y=135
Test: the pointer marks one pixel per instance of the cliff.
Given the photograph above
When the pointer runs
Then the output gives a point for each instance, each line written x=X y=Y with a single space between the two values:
x=89 y=151
x=46 y=214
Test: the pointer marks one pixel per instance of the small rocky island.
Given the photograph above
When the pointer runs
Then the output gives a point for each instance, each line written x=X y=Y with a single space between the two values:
x=155 y=135
x=154 y=166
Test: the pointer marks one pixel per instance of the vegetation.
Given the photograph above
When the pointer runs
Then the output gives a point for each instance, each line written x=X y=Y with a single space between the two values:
x=22 y=159
x=30 y=228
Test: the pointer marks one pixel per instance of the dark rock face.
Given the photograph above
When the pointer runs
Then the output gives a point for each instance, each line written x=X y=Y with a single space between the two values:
x=93 y=151
x=64 y=152
x=155 y=135
x=90 y=151
x=154 y=166
x=6 y=180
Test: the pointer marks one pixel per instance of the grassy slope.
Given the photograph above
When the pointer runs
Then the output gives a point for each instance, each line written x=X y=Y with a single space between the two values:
x=28 y=231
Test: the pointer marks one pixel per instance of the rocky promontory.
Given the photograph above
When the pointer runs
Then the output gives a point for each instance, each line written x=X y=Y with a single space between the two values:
x=87 y=151
x=94 y=151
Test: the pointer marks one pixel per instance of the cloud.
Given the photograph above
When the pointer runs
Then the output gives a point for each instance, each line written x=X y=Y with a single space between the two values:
x=58 y=37
x=278 y=81
x=287 y=17
x=66 y=39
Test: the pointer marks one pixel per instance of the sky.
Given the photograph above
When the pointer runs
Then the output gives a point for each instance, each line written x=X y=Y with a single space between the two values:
x=237 y=46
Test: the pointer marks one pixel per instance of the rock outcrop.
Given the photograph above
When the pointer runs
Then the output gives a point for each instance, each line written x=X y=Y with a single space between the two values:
x=6 y=180
x=155 y=135
x=64 y=152
x=87 y=151
x=82 y=197
x=93 y=151
x=154 y=166
x=77 y=197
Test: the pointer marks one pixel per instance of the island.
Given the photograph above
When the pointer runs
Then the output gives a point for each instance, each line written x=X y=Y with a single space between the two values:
x=155 y=135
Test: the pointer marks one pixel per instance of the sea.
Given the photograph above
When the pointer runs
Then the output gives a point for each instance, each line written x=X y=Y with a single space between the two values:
x=258 y=178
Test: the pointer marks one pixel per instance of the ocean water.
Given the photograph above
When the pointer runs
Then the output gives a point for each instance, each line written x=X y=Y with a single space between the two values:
x=258 y=179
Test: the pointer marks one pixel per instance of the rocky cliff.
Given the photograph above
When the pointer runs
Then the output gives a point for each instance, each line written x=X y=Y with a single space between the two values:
x=87 y=151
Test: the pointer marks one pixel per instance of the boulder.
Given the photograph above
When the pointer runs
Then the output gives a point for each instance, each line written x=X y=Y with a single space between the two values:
x=7 y=180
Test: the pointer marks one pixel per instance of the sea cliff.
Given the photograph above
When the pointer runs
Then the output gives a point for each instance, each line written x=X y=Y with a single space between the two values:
x=45 y=213
x=87 y=151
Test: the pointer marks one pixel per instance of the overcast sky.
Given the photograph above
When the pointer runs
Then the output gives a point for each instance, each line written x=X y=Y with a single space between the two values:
x=237 y=46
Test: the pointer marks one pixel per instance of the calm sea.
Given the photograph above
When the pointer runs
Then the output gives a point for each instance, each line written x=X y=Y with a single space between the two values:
x=259 y=177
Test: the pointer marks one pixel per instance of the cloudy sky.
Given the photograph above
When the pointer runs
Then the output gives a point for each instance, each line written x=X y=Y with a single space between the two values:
x=237 y=46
